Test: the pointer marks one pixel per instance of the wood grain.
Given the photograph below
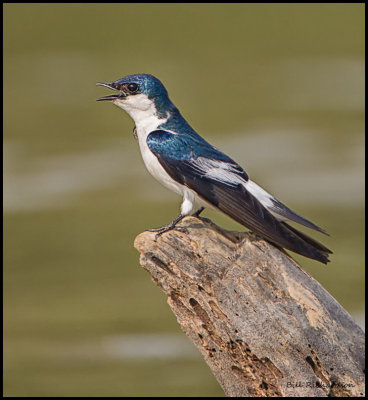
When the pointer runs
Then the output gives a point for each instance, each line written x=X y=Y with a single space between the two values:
x=264 y=326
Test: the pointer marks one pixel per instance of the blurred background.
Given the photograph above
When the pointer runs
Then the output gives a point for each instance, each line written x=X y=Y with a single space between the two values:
x=279 y=87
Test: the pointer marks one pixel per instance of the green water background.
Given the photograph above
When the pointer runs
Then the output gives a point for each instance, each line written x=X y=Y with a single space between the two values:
x=279 y=87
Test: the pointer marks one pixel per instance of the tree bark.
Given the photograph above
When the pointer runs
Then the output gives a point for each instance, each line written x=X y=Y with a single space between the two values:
x=263 y=325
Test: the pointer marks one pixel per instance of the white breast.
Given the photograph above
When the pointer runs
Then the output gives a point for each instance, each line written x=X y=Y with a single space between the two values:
x=144 y=114
x=154 y=167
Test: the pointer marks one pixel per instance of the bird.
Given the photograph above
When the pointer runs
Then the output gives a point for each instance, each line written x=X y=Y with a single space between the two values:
x=178 y=157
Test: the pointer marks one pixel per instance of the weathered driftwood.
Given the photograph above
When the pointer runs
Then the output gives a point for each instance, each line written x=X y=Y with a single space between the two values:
x=264 y=326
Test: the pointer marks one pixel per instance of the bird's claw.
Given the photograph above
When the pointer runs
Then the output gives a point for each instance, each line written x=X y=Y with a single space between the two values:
x=181 y=229
x=164 y=229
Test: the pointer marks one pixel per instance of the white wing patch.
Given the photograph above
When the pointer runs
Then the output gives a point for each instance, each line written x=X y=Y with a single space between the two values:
x=220 y=171
x=264 y=198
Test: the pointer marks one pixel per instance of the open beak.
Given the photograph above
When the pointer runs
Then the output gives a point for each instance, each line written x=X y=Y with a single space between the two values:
x=112 y=96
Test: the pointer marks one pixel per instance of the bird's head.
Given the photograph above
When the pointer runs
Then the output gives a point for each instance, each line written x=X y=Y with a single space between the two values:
x=139 y=95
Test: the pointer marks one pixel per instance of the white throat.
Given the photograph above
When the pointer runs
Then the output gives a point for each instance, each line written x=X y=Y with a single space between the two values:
x=143 y=112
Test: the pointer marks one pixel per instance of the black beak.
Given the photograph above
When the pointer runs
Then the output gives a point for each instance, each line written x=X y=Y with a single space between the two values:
x=112 y=96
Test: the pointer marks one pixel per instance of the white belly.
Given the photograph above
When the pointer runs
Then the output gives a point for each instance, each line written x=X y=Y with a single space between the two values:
x=154 y=167
x=143 y=128
x=156 y=170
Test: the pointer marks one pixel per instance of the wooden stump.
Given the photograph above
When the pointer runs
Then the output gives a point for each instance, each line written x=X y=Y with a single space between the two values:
x=263 y=325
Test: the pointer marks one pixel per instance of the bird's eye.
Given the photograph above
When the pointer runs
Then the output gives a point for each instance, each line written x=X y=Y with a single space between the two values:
x=132 y=87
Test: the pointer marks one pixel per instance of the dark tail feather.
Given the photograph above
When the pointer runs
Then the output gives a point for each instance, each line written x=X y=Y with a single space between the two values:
x=321 y=252
x=284 y=211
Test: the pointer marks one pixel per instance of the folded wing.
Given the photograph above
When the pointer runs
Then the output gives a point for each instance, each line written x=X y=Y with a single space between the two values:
x=222 y=182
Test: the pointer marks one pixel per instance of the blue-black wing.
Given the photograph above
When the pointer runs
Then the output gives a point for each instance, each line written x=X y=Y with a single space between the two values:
x=220 y=181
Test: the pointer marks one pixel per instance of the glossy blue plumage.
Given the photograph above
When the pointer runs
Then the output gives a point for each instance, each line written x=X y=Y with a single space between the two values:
x=182 y=160
x=181 y=146
x=154 y=89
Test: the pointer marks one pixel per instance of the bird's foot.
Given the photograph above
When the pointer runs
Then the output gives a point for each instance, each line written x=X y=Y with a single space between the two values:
x=169 y=227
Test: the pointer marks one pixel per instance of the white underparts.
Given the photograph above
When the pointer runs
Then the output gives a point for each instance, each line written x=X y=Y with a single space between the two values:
x=143 y=111
x=188 y=205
